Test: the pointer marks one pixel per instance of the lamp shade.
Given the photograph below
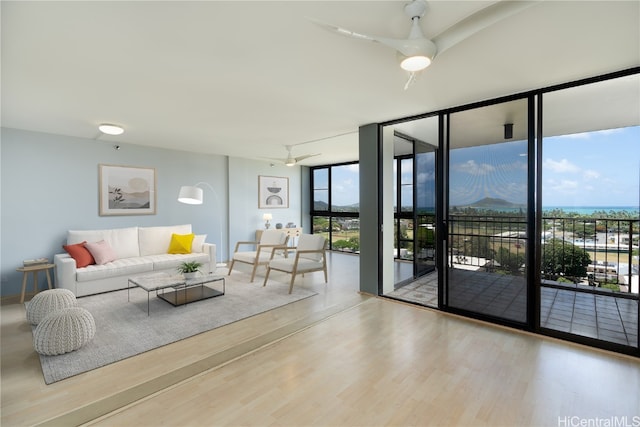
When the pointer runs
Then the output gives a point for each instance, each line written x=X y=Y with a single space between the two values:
x=190 y=195
x=267 y=217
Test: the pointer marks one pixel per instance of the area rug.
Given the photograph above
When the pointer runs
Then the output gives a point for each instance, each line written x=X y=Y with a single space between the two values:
x=123 y=328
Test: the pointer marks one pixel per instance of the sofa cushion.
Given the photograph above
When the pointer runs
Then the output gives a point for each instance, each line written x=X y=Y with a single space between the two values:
x=155 y=240
x=180 y=243
x=119 y=267
x=167 y=261
x=124 y=241
x=101 y=252
x=79 y=253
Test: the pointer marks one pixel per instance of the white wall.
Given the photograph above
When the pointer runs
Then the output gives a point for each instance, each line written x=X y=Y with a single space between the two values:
x=49 y=184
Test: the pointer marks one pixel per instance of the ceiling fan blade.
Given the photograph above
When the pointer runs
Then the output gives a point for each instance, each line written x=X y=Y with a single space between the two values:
x=306 y=156
x=417 y=43
x=398 y=44
x=274 y=159
x=478 y=21
x=343 y=31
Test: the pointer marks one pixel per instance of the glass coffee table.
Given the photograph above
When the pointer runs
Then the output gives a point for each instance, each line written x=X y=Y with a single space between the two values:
x=175 y=289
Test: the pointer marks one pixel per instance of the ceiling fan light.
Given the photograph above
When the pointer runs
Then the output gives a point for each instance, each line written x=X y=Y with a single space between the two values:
x=415 y=63
x=290 y=162
x=110 y=129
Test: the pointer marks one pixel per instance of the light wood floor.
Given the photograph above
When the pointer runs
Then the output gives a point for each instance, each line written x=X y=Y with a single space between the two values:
x=337 y=359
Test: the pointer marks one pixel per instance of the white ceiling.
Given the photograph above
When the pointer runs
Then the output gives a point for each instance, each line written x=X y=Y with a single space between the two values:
x=244 y=79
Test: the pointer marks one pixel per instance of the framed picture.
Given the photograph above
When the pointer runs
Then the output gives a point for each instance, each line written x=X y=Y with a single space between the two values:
x=126 y=190
x=273 y=192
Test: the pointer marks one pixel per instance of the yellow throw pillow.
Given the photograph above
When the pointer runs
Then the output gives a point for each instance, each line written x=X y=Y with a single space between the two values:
x=181 y=243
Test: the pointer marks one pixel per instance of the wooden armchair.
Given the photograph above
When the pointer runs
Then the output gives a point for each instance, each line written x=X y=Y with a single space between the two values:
x=270 y=239
x=310 y=255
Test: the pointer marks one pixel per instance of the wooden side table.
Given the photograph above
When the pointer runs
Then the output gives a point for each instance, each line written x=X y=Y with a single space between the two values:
x=34 y=269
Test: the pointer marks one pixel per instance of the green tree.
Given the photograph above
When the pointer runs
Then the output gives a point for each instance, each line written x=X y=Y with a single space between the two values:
x=479 y=246
x=353 y=243
x=340 y=245
x=509 y=261
x=560 y=258
x=320 y=224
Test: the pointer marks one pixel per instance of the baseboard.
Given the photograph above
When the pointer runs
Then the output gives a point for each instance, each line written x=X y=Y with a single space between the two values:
x=15 y=299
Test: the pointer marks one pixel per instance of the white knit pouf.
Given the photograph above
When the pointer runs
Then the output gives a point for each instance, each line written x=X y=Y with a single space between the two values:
x=63 y=331
x=48 y=301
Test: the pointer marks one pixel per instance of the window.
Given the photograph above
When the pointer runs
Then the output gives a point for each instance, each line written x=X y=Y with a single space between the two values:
x=335 y=212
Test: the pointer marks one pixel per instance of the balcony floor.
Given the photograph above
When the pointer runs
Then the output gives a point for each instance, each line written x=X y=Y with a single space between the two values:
x=596 y=316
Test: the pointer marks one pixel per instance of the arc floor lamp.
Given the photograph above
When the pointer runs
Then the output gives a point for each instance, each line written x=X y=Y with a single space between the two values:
x=194 y=195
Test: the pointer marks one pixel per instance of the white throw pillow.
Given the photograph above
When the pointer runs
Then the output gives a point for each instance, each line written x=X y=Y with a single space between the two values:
x=198 y=241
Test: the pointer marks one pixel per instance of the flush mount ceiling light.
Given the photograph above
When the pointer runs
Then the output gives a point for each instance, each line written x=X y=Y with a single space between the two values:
x=110 y=129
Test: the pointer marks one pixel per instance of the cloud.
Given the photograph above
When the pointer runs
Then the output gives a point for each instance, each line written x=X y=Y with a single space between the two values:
x=473 y=168
x=591 y=174
x=564 y=186
x=589 y=135
x=514 y=166
x=425 y=177
x=563 y=166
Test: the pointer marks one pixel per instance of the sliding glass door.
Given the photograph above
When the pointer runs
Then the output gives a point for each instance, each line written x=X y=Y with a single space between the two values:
x=488 y=236
x=590 y=212
x=526 y=211
x=425 y=209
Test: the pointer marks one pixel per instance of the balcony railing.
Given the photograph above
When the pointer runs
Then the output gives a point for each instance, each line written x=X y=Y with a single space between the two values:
x=598 y=252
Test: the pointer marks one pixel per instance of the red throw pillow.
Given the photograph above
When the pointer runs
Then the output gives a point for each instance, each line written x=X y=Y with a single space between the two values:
x=81 y=254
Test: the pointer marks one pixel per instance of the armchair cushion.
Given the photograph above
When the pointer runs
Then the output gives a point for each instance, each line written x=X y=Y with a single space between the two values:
x=273 y=237
x=310 y=255
x=286 y=264
x=263 y=250
x=314 y=243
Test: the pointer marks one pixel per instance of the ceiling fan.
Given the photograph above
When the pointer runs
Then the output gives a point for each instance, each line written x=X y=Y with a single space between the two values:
x=416 y=52
x=292 y=161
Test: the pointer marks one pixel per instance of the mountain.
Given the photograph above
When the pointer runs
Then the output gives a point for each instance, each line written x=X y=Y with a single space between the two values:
x=490 y=202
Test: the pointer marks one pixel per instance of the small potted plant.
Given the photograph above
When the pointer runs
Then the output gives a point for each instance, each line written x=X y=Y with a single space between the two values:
x=189 y=269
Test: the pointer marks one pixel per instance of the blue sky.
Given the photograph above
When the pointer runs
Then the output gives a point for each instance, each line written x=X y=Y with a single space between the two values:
x=497 y=170
x=586 y=169
x=592 y=169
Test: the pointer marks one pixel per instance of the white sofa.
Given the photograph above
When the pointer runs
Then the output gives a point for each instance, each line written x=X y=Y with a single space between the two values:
x=139 y=250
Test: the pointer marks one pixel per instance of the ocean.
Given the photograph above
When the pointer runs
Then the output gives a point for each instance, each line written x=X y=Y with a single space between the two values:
x=588 y=210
